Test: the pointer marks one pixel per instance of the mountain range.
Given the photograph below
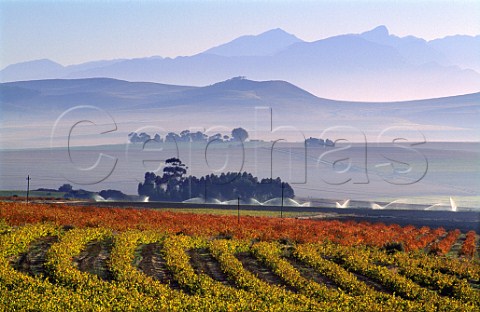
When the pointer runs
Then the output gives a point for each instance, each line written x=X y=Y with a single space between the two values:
x=30 y=109
x=370 y=66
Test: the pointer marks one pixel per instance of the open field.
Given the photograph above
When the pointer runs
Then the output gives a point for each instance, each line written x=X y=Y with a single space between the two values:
x=33 y=194
x=89 y=258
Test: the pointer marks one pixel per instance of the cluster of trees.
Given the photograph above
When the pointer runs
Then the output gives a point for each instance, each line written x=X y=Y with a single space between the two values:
x=237 y=134
x=83 y=194
x=174 y=185
x=114 y=195
x=134 y=137
x=319 y=142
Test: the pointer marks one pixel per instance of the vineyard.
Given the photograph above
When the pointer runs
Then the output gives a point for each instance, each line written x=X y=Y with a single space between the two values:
x=55 y=257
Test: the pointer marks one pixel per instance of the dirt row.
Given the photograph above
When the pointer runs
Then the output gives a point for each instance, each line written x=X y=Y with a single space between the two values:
x=94 y=260
x=152 y=264
x=204 y=263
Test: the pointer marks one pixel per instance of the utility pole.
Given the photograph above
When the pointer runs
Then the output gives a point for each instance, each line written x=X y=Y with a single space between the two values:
x=238 y=210
x=28 y=186
x=281 y=207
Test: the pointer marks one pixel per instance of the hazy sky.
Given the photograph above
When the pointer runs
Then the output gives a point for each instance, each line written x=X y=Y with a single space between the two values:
x=71 y=32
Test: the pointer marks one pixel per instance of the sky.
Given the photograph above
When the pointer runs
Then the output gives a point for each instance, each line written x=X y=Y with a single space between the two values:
x=73 y=32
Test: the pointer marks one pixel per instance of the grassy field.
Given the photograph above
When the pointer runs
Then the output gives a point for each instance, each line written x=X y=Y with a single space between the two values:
x=32 y=194
x=230 y=212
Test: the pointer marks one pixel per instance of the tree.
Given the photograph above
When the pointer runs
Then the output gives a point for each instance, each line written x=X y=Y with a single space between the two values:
x=173 y=185
x=215 y=137
x=138 y=138
x=157 y=138
x=239 y=134
x=172 y=137
x=174 y=169
x=65 y=188
x=147 y=188
x=113 y=194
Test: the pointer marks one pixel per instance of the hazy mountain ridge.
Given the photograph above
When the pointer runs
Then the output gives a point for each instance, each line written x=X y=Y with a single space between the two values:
x=267 y=43
x=13 y=92
x=230 y=103
x=461 y=50
x=415 y=50
x=373 y=65
x=119 y=94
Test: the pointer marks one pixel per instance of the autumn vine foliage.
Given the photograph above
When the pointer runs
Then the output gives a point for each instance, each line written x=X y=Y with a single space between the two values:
x=444 y=246
x=163 y=261
x=469 y=245
x=347 y=233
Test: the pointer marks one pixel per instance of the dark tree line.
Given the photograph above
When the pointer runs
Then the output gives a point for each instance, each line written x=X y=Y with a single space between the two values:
x=174 y=185
x=237 y=134
x=319 y=142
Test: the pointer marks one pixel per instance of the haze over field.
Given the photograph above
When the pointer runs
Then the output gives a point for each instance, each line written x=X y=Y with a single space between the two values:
x=369 y=80
x=30 y=110
x=79 y=74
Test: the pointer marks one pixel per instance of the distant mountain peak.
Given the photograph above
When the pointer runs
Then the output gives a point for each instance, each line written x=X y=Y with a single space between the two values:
x=39 y=63
x=275 y=31
x=379 y=31
x=29 y=70
x=267 y=88
x=266 y=43
x=239 y=82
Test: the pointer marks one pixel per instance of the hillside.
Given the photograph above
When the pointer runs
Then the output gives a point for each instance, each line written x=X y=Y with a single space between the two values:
x=231 y=103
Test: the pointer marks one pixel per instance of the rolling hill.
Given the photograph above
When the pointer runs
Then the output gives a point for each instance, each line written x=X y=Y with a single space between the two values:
x=231 y=103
